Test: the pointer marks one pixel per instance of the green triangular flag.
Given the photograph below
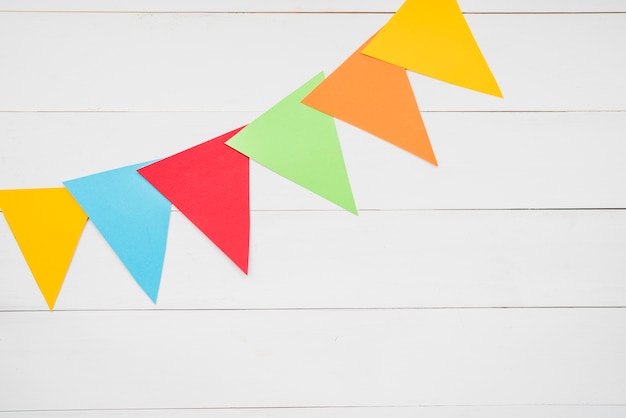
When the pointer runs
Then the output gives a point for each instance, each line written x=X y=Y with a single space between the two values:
x=301 y=144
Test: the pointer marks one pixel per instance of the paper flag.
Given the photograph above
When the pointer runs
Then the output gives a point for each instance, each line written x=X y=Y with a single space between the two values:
x=301 y=144
x=432 y=38
x=47 y=224
x=210 y=185
x=133 y=218
x=377 y=97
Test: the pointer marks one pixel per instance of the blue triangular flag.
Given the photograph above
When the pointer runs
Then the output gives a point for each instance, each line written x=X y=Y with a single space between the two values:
x=132 y=216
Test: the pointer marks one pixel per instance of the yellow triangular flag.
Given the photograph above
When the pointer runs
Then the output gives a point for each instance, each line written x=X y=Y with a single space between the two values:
x=431 y=37
x=47 y=224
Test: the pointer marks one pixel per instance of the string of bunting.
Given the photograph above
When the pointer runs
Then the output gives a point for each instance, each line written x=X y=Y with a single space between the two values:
x=209 y=183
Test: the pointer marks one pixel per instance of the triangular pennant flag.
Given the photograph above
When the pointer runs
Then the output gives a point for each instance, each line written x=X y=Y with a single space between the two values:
x=432 y=38
x=301 y=144
x=210 y=185
x=377 y=97
x=132 y=216
x=47 y=224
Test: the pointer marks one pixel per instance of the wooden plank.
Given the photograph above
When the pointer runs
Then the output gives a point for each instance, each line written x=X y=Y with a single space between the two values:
x=200 y=359
x=376 y=260
x=207 y=61
x=487 y=160
x=301 y=6
x=431 y=411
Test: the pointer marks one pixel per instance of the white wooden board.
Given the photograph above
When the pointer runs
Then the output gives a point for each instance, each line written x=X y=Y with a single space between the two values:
x=437 y=301
x=486 y=160
x=430 y=411
x=305 y=6
x=183 y=62
x=197 y=359
x=377 y=260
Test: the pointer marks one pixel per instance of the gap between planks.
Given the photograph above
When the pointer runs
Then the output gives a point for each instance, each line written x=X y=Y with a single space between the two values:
x=313 y=309
x=226 y=408
x=94 y=111
x=218 y=12
x=174 y=210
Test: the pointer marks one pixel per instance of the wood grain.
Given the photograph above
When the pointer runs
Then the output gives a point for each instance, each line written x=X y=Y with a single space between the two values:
x=186 y=62
x=386 y=259
x=491 y=286
x=430 y=411
x=197 y=359
x=486 y=160
x=305 y=6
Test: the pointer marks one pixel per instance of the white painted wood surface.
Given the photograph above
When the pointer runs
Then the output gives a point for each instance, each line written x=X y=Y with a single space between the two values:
x=200 y=359
x=446 y=297
x=184 y=62
x=429 y=411
x=542 y=159
x=305 y=6
x=377 y=260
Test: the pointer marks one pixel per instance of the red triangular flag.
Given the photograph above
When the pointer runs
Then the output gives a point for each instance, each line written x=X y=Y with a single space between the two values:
x=210 y=185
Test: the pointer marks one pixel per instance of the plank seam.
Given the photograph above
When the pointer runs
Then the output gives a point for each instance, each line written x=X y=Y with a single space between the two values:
x=96 y=111
x=324 y=309
x=368 y=210
x=318 y=407
x=219 y=12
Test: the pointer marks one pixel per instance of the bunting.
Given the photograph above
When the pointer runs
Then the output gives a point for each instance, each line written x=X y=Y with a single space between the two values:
x=210 y=185
x=432 y=38
x=47 y=224
x=132 y=216
x=301 y=144
x=377 y=97
x=296 y=138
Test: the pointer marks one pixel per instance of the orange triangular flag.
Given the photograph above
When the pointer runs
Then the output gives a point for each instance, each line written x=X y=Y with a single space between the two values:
x=377 y=97
x=431 y=37
x=47 y=224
